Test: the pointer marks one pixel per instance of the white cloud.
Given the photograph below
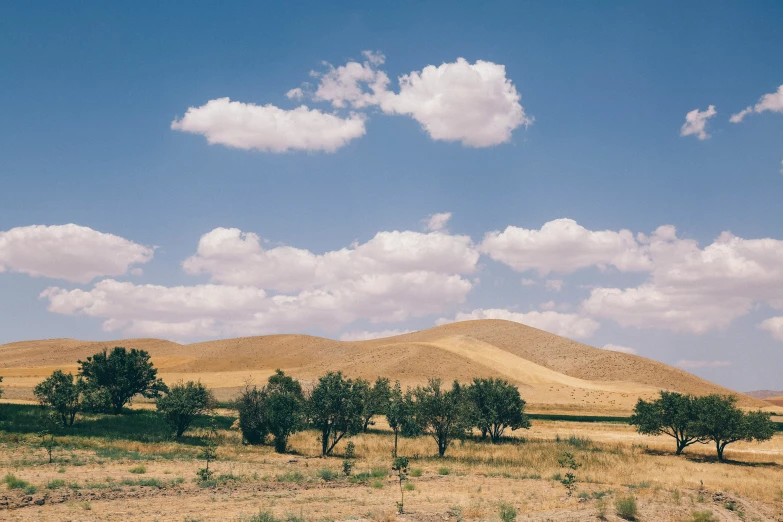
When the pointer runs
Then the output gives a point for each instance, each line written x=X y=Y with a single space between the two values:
x=527 y=282
x=295 y=94
x=366 y=336
x=390 y=278
x=269 y=128
x=566 y=325
x=70 y=252
x=774 y=325
x=687 y=364
x=549 y=305
x=696 y=122
x=554 y=284
x=618 y=348
x=564 y=246
x=696 y=290
x=769 y=102
x=475 y=104
x=438 y=222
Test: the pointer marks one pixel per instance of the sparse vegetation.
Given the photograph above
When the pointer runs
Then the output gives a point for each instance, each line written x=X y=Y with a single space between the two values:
x=626 y=507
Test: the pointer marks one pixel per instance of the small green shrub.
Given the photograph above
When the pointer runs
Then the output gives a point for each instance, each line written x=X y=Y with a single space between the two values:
x=15 y=483
x=291 y=476
x=416 y=472
x=701 y=516
x=30 y=490
x=600 y=508
x=379 y=472
x=327 y=474
x=377 y=484
x=626 y=508
x=409 y=486
x=54 y=484
x=444 y=471
x=507 y=512
x=139 y=470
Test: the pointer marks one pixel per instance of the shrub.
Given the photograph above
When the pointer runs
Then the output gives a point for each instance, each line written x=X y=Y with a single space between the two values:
x=54 y=484
x=61 y=393
x=626 y=508
x=701 y=516
x=15 y=483
x=139 y=470
x=444 y=471
x=120 y=375
x=416 y=472
x=570 y=464
x=507 y=512
x=183 y=403
x=496 y=406
x=327 y=474
x=600 y=508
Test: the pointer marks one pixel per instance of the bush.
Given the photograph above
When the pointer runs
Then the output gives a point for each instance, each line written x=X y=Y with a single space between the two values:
x=138 y=470
x=327 y=475
x=701 y=516
x=183 y=403
x=120 y=375
x=507 y=512
x=61 y=393
x=15 y=483
x=626 y=508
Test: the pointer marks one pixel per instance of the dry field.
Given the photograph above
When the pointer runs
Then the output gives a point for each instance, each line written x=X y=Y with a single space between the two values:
x=100 y=479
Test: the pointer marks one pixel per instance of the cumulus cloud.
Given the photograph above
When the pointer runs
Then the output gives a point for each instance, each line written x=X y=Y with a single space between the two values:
x=696 y=123
x=269 y=128
x=472 y=103
x=566 y=325
x=774 y=325
x=618 y=348
x=565 y=246
x=70 y=252
x=693 y=289
x=691 y=365
x=364 y=335
x=769 y=102
x=554 y=284
x=438 y=222
x=390 y=278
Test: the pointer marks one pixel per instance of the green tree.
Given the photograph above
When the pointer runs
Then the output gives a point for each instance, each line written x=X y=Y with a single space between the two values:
x=1 y=388
x=672 y=414
x=122 y=374
x=496 y=406
x=443 y=414
x=376 y=400
x=398 y=412
x=62 y=394
x=284 y=408
x=335 y=409
x=720 y=420
x=183 y=403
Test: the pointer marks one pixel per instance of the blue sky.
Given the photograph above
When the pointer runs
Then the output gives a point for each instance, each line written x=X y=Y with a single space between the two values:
x=90 y=93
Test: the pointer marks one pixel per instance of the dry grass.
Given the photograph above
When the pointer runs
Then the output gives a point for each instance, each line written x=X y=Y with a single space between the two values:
x=481 y=477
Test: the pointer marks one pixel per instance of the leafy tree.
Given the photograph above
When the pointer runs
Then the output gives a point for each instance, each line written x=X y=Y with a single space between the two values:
x=335 y=409
x=251 y=404
x=568 y=462
x=183 y=403
x=284 y=409
x=398 y=412
x=400 y=466
x=122 y=374
x=496 y=405
x=443 y=414
x=376 y=400
x=720 y=420
x=62 y=393
x=672 y=414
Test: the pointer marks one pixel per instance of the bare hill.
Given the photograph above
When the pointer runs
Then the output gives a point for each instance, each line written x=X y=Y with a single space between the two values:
x=549 y=369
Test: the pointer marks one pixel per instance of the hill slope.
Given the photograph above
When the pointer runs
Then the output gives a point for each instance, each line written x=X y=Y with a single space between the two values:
x=549 y=369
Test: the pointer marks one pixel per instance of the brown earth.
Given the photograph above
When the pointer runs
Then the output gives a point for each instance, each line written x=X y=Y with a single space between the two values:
x=551 y=371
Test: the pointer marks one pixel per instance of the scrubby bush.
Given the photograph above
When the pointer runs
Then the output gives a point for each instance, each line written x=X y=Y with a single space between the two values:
x=496 y=406
x=626 y=507
x=335 y=408
x=183 y=403
x=63 y=394
x=507 y=512
x=120 y=375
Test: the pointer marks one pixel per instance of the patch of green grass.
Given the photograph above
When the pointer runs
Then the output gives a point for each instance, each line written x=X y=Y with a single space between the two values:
x=626 y=508
x=73 y=486
x=138 y=470
x=507 y=512
x=291 y=476
x=444 y=471
x=557 y=477
x=327 y=474
x=416 y=472
x=15 y=483
x=701 y=516
x=54 y=484
x=409 y=486
x=30 y=490
x=147 y=482
x=377 y=484
x=379 y=472
x=582 y=443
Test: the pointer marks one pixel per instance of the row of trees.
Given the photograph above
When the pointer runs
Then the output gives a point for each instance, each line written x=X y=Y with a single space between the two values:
x=708 y=419
x=338 y=407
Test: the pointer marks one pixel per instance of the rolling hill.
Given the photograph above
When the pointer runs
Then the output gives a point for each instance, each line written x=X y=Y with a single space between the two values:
x=551 y=371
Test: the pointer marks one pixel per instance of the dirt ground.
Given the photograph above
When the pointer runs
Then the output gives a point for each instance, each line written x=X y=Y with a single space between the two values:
x=96 y=479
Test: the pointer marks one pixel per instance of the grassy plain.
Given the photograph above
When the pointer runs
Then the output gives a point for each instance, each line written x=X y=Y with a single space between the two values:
x=129 y=468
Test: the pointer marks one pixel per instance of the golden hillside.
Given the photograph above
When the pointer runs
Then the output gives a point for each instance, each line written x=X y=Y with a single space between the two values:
x=551 y=371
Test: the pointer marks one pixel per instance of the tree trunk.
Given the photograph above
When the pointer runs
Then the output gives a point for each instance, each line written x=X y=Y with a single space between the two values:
x=324 y=441
x=680 y=447
x=395 y=443
x=720 y=448
x=441 y=447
